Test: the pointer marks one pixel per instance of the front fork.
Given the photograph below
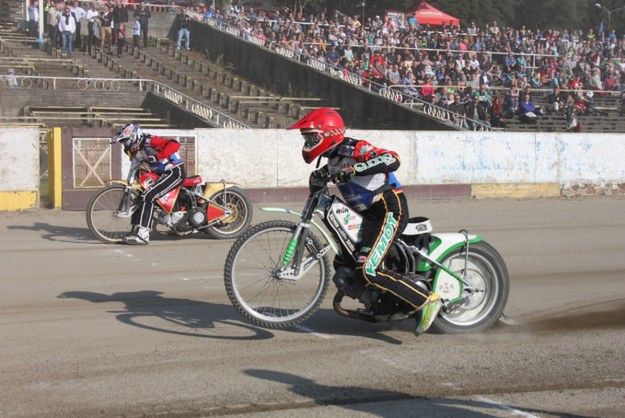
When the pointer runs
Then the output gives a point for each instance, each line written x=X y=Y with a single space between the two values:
x=124 y=209
x=293 y=266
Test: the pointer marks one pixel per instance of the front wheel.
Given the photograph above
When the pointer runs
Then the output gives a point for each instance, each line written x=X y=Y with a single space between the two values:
x=109 y=212
x=256 y=282
x=487 y=275
x=235 y=200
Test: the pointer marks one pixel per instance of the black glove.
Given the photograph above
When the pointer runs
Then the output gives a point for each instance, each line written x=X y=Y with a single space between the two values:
x=345 y=174
x=317 y=180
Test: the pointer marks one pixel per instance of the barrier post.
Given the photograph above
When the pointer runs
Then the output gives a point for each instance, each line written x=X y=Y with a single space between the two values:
x=55 y=187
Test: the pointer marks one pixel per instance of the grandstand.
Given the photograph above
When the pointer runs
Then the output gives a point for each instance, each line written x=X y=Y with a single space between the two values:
x=162 y=86
x=541 y=59
x=52 y=90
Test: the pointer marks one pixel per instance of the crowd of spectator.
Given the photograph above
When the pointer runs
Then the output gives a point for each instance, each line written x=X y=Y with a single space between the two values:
x=107 y=24
x=485 y=73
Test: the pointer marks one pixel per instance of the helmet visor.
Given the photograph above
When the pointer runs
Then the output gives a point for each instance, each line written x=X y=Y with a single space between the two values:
x=311 y=140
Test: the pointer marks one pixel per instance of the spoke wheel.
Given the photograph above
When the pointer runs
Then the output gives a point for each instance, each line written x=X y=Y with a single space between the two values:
x=106 y=218
x=488 y=275
x=256 y=284
x=235 y=200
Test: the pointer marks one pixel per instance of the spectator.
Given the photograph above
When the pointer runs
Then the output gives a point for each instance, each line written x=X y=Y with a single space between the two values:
x=332 y=57
x=79 y=15
x=496 y=113
x=53 y=25
x=555 y=102
x=427 y=91
x=208 y=14
x=528 y=111
x=393 y=75
x=184 y=30
x=571 y=58
x=136 y=34
x=144 y=16
x=121 y=38
x=484 y=95
x=67 y=27
x=11 y=79
x=120 y=15
x=33 y=18
x=378 y=67
x=106 y=28
x=585 y=104
x=93 y=26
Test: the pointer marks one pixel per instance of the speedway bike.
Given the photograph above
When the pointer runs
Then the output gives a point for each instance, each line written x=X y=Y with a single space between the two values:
x=221 y=210
x=278 y=272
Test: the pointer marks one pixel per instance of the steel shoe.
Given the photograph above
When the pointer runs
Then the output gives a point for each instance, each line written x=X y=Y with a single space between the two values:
x=427 y=315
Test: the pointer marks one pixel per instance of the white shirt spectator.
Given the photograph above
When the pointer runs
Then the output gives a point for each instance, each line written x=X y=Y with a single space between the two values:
x=79 y=13
x=33 y=13
x=92 y=15
x=136 y=29
x=67 y=23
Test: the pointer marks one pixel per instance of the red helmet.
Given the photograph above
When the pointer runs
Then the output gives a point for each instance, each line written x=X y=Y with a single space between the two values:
x=322 y=129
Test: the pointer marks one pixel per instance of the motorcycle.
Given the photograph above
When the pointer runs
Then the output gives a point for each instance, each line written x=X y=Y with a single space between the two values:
x=277 y=273
x=221 y=210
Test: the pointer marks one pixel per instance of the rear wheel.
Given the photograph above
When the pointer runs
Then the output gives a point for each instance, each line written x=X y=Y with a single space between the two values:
x=109 y=212
x=235 y=200
x=488 y=275
x=256 y=282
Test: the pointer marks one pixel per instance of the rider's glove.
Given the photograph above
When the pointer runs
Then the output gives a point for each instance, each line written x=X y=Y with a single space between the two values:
x=151 y=159
x=317 y=180
x=345 y=174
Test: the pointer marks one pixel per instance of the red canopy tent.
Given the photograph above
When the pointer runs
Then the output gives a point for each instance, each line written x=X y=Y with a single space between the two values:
x=427 y=14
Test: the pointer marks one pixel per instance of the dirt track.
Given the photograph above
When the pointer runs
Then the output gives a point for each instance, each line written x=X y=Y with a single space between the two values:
x=94 y=329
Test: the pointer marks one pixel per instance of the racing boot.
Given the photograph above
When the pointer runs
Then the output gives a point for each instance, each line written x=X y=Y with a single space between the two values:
x=141 y=236
x=428 y=313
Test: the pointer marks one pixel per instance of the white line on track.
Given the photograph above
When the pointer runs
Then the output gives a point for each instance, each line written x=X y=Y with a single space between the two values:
x=313 y=332
x=505 y=407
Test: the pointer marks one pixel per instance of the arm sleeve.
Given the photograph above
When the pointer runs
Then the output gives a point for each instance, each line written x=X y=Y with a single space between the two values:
x=165 y=147
x=374 y=160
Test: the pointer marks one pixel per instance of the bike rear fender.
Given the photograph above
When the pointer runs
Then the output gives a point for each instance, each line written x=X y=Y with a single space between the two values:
x=214 y=187
x=441 y=246
x=322 y=231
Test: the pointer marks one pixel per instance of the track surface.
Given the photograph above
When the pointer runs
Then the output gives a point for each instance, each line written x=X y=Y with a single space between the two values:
x=92 y=329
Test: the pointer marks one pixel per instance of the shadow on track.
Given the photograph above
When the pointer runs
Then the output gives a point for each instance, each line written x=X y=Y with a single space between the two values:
x=327 y=321
x=59 y=233
x=376 y=401
x=148 y=309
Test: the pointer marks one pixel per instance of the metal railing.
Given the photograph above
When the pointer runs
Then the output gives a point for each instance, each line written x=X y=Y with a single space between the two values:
x=199 y=109
x=414 y=103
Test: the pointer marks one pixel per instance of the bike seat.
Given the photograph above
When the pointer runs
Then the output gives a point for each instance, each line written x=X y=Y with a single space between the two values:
x=418 y=226
x=192 y=181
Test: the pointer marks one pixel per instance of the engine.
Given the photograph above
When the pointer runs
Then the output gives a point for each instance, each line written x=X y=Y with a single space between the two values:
x=197 y=217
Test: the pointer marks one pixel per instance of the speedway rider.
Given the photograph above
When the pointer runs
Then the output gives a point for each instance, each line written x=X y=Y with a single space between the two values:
x=162 y=156
x=364 y=175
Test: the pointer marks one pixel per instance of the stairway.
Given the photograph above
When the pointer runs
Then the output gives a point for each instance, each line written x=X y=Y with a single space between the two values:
x=189 y=73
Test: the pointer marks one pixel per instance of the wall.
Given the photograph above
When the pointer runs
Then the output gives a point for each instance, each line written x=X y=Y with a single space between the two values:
x=19 y=170
x=473 y=163
x=271 y=158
